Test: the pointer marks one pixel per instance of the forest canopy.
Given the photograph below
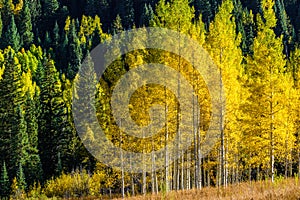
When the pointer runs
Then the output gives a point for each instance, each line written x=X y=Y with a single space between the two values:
x=255 y=44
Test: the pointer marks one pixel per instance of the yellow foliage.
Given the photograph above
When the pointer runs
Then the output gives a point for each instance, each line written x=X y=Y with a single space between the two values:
x=18 y=7
x=16 y=192
x=67 y=24
x=76 y=184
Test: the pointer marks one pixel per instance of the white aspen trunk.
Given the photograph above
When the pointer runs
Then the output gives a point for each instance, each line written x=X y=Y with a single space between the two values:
x=226 y=164
x=144 y=184
x=167 y=184
x=152 y=181
x=153 y=170
x=188 y=171
x=182 y=171
x=222 y=150
x=123 y=181
x=271 y=127
x=271 y=139
x=199 y=159
x=132 y=178
x=122 y=165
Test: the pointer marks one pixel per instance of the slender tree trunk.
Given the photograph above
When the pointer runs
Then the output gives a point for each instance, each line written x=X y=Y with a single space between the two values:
x=188 y=171
x=153 y=170
x=222 y=160
x=271 y=127
x=199 y=157
x=144 y=183
x=122 y=165
x=182 y=171
x=271 y=140
x=132 y=178
x=205 y=177
x=132 y=185
x=167 y=184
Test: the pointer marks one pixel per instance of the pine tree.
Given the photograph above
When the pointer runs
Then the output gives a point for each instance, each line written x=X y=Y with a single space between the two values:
x=248 y=33
x=74 y=53
x=85 y=84
x=147 y=15
x=126 y=11
x=33 y=167
x=21 y=179
x=283 y=26
x=11 y=36
x=4 y=183
x=47 y=41
x=59 y=168
x=20 y=141
x=53 y=133
x=56 y=38
x=7 y=11
x=50 y=7
x=35 y=8
x=203 y=7
x=117 y=26
x=12 y=124
x=25 y=26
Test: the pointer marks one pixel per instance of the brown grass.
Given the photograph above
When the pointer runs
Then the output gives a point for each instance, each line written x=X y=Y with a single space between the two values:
x=288 y=189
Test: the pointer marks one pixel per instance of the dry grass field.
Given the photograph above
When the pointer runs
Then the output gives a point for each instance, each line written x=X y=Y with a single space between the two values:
x=282 y=189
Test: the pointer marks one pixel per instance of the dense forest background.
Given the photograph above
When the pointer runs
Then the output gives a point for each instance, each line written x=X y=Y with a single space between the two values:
x=43 y=42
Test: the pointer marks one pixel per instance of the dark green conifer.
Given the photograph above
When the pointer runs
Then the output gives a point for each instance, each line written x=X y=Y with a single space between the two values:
x=4 y=183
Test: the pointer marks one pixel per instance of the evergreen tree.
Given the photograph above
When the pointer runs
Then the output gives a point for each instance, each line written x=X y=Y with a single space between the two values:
x=33 y=167
x=12 y=124
x=117 y=26
x=74 y=53
x=7 y=11
x=53 y=134
x=25 y=26
x=283 y=25
x=35 y=8
x=63 y=53
x=56 y=38
x=125 y=9
x=47 y=41
x=20 y=140
x=59 y=168
x=21 y=179
x=147 y=15
x=4 y=183
x=203 y=7
x=11 y=36
x=254 y=5
x=50 y=7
